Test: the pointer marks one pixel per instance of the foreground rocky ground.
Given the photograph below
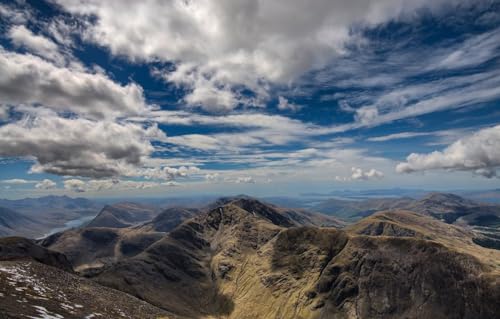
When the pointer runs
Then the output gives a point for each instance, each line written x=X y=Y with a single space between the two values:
x=29 y=289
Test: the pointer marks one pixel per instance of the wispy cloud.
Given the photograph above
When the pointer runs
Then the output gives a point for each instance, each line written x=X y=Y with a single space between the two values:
x=18 y=181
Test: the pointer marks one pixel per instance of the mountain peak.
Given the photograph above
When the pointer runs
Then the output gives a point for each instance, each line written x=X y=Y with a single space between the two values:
x=260 y=209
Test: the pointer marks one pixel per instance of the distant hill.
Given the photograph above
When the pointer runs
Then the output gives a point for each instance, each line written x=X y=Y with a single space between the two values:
x=14 y=223
x=352 y=210
x=123 y=215
x=45 y=214
x=28 y=205
x=450 y=208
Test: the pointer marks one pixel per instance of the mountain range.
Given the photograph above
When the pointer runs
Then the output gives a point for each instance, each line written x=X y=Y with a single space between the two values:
x=239 y=257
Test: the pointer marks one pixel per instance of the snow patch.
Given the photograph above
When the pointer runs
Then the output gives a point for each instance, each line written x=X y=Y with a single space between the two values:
x=45 y=314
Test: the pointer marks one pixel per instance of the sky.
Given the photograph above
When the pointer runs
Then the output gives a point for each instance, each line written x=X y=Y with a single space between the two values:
x=159 y=98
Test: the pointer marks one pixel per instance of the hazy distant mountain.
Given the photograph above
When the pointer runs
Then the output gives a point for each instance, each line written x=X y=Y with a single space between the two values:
x=59 y=203
x=352 y=210
x=14 y=223
x=239 y=252
x=43 y=215
x=123 y=215
x=450 y=208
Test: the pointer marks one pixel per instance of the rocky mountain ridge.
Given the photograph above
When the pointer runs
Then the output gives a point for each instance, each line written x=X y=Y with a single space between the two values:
x=242 y=258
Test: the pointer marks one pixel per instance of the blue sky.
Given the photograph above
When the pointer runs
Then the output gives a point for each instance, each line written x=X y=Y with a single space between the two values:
x=154 y=98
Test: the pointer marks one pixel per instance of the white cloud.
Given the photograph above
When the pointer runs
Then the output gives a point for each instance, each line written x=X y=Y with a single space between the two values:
x=80 y=186
x=285 y=105
x=441 y=137
x=78 y=147
x=167 y=173
x=386 y=92
x=397 y=136
x=212 y=177
x=359 y=174
x=75 y=185
x=245 y=180
x=479 y=153
x=37 y=44
x=470 y=53
x=17 y=181
x=30 y=80
x=46 y=184
x=15 y=15
x=219 y=46
x=367 y=115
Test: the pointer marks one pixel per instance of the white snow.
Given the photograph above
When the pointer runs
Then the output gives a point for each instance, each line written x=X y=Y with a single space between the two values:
x=45 y=314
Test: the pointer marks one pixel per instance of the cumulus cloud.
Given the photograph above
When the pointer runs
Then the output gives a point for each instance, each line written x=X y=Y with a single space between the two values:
x=29 y=80
x=78 y=147
x=40 y=45
x=75 y=185
x=479 y=153
x=358 y=174
x=46 y=184
x=220 y=46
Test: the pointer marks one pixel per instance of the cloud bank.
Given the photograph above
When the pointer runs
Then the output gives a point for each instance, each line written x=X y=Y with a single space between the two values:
x=219 y=46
